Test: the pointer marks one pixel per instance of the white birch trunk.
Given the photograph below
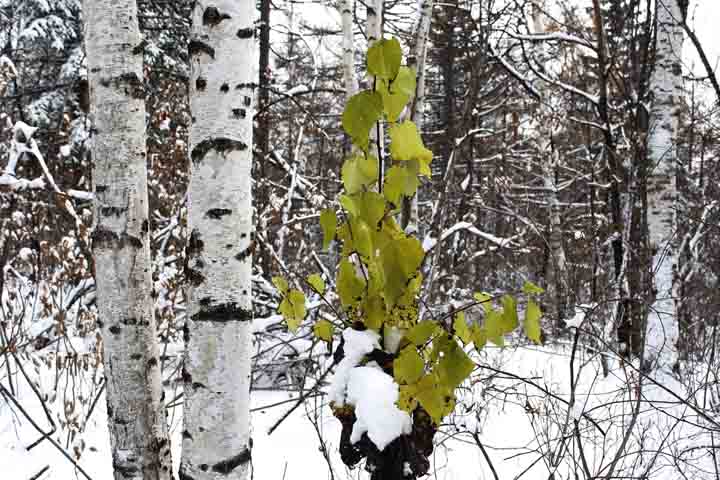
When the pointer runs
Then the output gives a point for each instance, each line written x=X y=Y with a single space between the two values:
x=411 y=213
x=666 y=86
x=348 y=47
x=216 y=375
x=556 y=294
x=374 y=33
x=136 y=417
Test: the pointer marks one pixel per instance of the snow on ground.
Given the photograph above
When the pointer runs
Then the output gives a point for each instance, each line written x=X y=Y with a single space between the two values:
x=518 y=423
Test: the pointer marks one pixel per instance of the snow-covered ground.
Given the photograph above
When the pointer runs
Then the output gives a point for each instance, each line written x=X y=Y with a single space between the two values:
x=519 y=402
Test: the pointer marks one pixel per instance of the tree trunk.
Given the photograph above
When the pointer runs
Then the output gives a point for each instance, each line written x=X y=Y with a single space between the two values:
x=216 y=375
x=666 y=85
x=410 y=220
x=138 y=432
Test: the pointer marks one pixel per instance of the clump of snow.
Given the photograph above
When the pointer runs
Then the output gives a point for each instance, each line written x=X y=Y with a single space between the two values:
x=374 y=393
x=357 y=345
x=393 y=336
x=65 y=150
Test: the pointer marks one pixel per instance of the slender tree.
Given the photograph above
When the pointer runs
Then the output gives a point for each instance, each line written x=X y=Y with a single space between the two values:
x=138 y=432
x=666 y=87
x=216 y=374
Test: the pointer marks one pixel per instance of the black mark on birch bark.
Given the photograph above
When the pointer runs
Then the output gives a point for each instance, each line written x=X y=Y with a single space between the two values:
x=224 y=312
x=129 y=81
x=212 y=17
x=200 y=86
x=115 y=330
x=112 y=211
x=239 y=112
x=218 y=213
x=227 y=466
x=219 y=144
x=186 y=435
x=140 y=47
x=225 y=88
x=242 y=256
x=246 y=33
x=195 y=47
x=103 y=238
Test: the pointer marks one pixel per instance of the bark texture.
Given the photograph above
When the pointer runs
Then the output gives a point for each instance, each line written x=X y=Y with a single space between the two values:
x=666 y=86
x=216 y=375
x=138 y=432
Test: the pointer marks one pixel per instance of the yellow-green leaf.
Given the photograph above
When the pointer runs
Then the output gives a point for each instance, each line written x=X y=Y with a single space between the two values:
x=400 y=181
x=281 y=284
x=406 y=144
x=408 y=367
x=484 y=299
x=292 y=308
x=324 y=330
x=461 y=328
x=359 y=172
x=384 y=57
x=494 y=327
x=328 y=223
x=374 y=311
x=454 y=366
x=360 y=114
x=531 y=325
x=437 y=401
x=531 y=289
x=400 y=260
x=510 y=316
x=479 y=337
x=317 y=283
x=421 y=333
x=350 y=287
x=405 y=82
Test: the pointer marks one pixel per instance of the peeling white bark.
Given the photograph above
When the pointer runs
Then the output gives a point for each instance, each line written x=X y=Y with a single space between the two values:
x=138 y=430
x=216 y=434
x=666 y=87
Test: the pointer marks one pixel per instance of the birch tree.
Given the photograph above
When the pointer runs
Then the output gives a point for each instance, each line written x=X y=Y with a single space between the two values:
x=138 y=432
x=216 y=374
x=666 y=87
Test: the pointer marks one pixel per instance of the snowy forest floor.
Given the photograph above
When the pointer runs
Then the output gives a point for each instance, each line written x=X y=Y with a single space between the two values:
x=520 y=405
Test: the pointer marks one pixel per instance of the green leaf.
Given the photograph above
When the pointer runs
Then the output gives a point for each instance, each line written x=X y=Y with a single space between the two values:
x=421 y=333
x=349 y=286
x=400 y=181
x=494 y=327
x=437 y=401
x=317 y=283
x=454 y=366
x=405 y=82
x=292 y=308
x=479 y=337
x=367 y=206
x=531 y=289
x=400 y=260
x=281 y=284
x=374 y=312
x=510 y=316
x=361 y=113
x=359 y=172
x=324 y=330
x=406 y=144
x=461 y=328
x=328 y=223
x=384 y=57
x=485 y=299
x=531 y=325
x=408 y=367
